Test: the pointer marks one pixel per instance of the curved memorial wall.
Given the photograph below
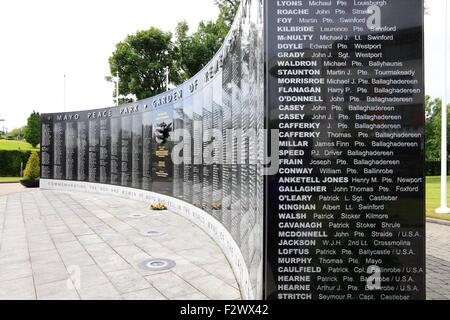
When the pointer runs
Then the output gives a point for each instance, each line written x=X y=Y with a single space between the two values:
x=335 y=91
x=217 y=183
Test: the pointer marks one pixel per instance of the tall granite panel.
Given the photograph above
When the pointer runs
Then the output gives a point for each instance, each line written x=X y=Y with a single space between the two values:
x=126 y=151
x=94 y=151
x=217 y=115
x=236 y=126
x=178 y=168
x=71 y=137
x=188 y=150
x=345 y=216
x=116 y=151
x=256 y=267
x=198 y=149
x=59 y=155
x=207 y=149
x=227 y=143
x=255 y=258
x=147 y=131
x=243 y=158
x=137 y=150
x=105 y=150
x=83 y=150
x=47 y=146
x=162 y=166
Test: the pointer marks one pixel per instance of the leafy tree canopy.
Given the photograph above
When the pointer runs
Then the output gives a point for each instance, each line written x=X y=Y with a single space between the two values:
x=228 y=9
x=33 y=131
x=14 y=133
x=194 y=51
x=140 y=61
x=433 y=122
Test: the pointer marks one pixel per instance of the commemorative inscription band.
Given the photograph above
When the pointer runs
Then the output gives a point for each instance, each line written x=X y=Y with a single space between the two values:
x=345 y=214
x=335 y=209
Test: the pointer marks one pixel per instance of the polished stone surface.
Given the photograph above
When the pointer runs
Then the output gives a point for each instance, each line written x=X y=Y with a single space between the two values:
x=60 y=245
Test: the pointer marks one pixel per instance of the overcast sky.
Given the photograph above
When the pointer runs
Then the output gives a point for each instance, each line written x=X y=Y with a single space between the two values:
x=41 y=40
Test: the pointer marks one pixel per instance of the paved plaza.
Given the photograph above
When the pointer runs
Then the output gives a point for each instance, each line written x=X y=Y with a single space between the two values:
x=61 y=245
x=438 y=261
x=8 y=188
x=58 y=245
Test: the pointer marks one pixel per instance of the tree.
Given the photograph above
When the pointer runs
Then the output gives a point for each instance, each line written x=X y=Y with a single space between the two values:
x=433 y=123
x=194 y=51
x=15 y=133
x=32 y=169
x=141 y=61
x=228 y=9
x=33 y=131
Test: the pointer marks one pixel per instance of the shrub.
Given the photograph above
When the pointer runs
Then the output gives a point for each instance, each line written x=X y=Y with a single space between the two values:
x=10 y=162
x=33 y=169
x=433 y=167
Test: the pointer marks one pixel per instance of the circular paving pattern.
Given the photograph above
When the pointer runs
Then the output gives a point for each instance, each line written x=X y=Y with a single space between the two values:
x=137 y=215
x=152 y=233
x=157 y=264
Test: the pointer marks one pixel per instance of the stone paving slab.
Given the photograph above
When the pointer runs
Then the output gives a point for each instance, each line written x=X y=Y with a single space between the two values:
x=9 y=188
x=70 y=246
x=438 y=261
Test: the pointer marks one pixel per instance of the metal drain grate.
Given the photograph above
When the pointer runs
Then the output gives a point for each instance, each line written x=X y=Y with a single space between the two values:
x=152 y=233
x=157 y=264
x=137 y=215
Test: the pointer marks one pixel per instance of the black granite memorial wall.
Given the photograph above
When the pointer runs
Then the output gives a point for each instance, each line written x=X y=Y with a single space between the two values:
x=345 y=215
x=340 y=85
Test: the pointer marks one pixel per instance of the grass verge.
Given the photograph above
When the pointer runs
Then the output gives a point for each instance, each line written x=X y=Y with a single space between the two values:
x=10 y=179
x=14 y=145
x=433 y=197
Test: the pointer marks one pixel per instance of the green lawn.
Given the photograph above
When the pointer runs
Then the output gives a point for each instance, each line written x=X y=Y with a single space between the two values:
x=433 y=197
x=10 y=179
x=16 y=145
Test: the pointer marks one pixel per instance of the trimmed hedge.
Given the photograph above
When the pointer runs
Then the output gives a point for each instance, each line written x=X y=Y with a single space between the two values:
x=433 y=167
x=10 y=162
